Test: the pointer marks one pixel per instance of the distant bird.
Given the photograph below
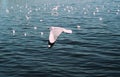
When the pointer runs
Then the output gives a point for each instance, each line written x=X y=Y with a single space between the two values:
x=41 y=20
x=35 y=27
x=55 y=33
x=55 y=8
x=27 y=17
x=41 y=33
x=13 y=31
x=78 y=27
x=118 y=10
x=25 y=34
x=94 y=13
x=97 y=9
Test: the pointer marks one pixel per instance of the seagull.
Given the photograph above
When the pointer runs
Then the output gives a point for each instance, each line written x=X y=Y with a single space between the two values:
x=55 y=33
x=41 y=20
x=41 y=33
x=78 y=27
x=35 y=27
x=55 y=8
x=25 y=34
x=13 y=31
x=94 y=13
x=27 y=17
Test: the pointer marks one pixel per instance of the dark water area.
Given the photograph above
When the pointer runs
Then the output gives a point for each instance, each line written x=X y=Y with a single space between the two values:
x=92 y=50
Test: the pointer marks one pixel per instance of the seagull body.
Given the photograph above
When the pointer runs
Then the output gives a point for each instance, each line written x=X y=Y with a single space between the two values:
x=41 y=33
x=27 y=17
x=54 y=33
x=35 y=27
x=55 y=8
x=78 y=27
x=25 y=34
x=13 y=31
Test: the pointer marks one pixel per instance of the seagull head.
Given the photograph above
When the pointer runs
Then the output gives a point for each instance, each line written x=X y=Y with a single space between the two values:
x=50 y=44
x=51 y=28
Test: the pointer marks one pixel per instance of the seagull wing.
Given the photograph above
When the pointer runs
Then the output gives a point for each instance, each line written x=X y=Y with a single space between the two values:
x=54 y=34
x=67 y=31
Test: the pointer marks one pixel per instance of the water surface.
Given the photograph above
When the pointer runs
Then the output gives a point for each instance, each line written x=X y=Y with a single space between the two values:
x=90 y=51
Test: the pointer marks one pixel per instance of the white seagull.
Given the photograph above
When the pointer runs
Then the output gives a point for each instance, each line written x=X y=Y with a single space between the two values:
x=54 y=33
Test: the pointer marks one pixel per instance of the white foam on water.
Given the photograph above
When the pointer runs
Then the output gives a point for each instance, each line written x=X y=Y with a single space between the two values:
x=54 y=13
x=100 y=18
x=108 y=11
x=7 y=11
x=118 y=10
x=11 y=7
x=85 y=12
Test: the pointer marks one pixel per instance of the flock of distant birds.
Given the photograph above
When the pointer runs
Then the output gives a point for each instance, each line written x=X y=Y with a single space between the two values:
x=54 y=12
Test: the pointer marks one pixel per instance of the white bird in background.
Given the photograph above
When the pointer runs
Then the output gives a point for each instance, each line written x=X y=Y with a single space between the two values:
x=25 y=34
x=13 y=31
x=54 y=33
x=117 y=13
x=97 y=9
x=35 y=27
x=94 y=13
x=78 y=27
x=41 y=33
x=27 y=17
x=55 y=8
x=41 y=20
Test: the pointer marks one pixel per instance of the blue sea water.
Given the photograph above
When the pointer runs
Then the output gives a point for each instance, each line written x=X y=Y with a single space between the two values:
x=92 y=50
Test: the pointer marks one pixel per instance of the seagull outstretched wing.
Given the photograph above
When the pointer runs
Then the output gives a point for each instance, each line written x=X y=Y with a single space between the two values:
x=55 y=33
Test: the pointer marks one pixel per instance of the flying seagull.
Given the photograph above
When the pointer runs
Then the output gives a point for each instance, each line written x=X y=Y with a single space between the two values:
x=54 y=33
